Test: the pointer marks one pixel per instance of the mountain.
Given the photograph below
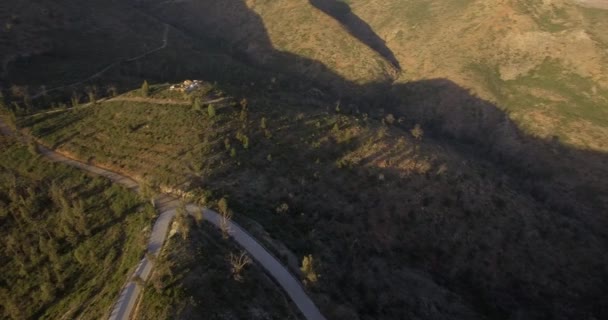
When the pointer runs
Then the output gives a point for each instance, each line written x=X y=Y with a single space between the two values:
x=437 y=159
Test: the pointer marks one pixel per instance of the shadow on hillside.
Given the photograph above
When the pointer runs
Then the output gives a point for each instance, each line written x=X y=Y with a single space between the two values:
x=357 y=27
x=440 y=105
x=567 y=184
x=566 y=181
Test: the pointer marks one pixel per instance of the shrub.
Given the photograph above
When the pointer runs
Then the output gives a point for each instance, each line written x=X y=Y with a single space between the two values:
x=417 y=132
x=196 y=104
x=145 y=89
x=308 y=270
x=211 y=111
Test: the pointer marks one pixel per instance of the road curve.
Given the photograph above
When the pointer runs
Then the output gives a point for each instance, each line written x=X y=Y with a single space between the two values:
x=167 y=205
x=271 y=264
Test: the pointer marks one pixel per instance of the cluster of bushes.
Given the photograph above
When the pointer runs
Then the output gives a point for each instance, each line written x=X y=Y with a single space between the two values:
x=68 y=240
x=386 y=200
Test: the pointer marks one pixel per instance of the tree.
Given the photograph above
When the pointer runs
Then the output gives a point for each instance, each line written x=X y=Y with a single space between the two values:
x=243 y=139
x=139 y=281
x=308 y=270
x=245 y=142
x=21 y=92
x=3 y=104
x=75 y=99
x=243 y=115
x=199 y=216
x=211 y=111
x=227 y=145
x=244 y=103
x=238 y=262
x=225 y=218
x=112 y=91
x=92 y=94
x=145 y=89
x=222 y=205
x=196 y=104
x=417 y=132
x=146 y=191
x=181 y=218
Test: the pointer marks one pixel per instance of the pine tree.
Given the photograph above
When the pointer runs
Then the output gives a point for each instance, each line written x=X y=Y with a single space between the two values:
x=211 y=111
x=222 y=205
x=196 y=104
x=417 y=132
x=308 y=269
x=145 y=89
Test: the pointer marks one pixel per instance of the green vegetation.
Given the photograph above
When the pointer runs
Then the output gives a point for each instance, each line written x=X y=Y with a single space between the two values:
x=145 y=89
x=493 y=209
x=68 y=240
x=205 y=276
x=308 y=269
x=552 y=90
x=211 y=111
x=352 y=196
x=158 y=133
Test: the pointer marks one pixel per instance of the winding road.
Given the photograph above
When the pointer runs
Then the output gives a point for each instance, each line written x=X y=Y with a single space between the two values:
x=167 y=205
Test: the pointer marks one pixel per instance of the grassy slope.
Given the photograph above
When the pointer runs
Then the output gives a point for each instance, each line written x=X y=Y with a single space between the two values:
x=432 y=220
x=257 y=29
x=498 y=49
x=68 y=240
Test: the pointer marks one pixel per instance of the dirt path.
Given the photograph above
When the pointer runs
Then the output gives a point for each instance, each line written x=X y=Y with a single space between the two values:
x=164 y=101
x=110 y=66
x=133 y=99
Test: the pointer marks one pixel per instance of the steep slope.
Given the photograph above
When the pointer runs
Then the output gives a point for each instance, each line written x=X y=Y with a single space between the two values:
x=274 y=33
x=544 y=61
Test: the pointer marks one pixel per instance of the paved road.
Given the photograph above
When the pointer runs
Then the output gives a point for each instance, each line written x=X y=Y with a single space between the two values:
x=167 y=205
x=273 y=266
x=123 y=308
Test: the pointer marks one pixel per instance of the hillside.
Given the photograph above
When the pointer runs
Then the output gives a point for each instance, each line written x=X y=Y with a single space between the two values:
x=68 y=240
x=196 y=278
x=439 y=223
x=436 y=159
x=542 y=61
